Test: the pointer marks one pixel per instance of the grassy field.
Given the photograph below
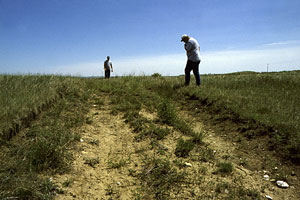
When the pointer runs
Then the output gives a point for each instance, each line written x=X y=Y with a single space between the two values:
x=42 y=111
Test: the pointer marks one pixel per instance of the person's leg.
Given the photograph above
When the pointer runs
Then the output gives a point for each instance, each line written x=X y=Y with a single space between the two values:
x=187 y=71
x=108 y=73
x=196 y=72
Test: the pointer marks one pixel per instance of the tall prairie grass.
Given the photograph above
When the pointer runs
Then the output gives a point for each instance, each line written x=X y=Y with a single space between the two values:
x=49 y=107
x=22 y=97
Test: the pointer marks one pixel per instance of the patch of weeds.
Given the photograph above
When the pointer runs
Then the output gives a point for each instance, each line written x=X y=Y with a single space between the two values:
x=138 y=125
x=48 y=150
x=225 y=167
x=166 y=112
x=183 y=147
x=154 y=132
x=135 y=121
x=127 y=103
x=91 y=161
x=115 y=164
x=206 y=154
x=198 y=137
x=183 y=127
x=68 y=182
x=159 y=177
x=131 y=115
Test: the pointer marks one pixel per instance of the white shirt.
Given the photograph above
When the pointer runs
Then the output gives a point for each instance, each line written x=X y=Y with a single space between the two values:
x=192 y=50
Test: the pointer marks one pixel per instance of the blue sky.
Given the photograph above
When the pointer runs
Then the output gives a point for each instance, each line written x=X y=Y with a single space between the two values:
x=73 y=37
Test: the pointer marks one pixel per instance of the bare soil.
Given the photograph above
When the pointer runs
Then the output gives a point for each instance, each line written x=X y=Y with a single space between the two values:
x=108 y=156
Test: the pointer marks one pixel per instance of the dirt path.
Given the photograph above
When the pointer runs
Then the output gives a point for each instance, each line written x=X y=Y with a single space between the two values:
x=107 y=154
x=97 y=173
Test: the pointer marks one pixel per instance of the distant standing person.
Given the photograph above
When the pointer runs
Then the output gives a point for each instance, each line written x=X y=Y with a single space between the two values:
x=108 y=67
x=193 y=55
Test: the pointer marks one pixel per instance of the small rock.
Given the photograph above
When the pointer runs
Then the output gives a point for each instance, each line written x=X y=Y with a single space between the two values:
x=188 y=164
x=118 y=183
x=269 y=197
x=266 y=177
x=275 y=168
x=282 y=184
x=81 y=140
x=226 y=191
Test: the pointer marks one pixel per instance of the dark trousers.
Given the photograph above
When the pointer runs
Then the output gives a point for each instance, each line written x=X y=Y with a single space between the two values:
x=190 y=65
x=107 y=73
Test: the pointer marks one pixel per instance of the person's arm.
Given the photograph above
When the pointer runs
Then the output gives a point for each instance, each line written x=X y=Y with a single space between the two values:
x=111 y=67
x=189 y=46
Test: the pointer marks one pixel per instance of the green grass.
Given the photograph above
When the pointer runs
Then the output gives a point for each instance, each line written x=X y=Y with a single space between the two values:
x=159 y=177
x=59 y=104
x=45 y=108
x=24 y=97
x=184 y=147
x=225 y=167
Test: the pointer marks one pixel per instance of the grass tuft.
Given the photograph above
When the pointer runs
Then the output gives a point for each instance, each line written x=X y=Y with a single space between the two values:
x=183 y=147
